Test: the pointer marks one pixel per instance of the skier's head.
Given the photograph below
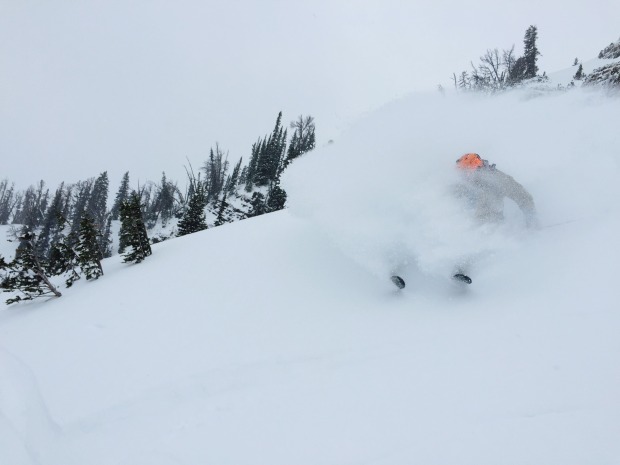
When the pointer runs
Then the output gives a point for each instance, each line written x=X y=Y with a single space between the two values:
x=470 y=161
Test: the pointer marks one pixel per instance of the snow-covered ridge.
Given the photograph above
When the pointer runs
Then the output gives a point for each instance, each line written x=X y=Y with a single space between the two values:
x=611 y=51
x=601 y=71
x=566 y=77
x=607 y=75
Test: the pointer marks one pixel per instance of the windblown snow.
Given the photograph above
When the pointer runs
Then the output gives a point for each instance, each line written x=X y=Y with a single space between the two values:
x=280 y=339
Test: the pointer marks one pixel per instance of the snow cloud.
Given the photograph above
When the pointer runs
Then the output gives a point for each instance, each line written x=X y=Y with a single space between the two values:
x=385 y=186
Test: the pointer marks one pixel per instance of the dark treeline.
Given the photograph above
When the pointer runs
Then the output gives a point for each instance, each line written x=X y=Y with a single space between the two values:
x=68 y=231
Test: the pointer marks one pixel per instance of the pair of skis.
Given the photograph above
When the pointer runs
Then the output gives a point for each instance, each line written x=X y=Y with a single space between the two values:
x=400 y=282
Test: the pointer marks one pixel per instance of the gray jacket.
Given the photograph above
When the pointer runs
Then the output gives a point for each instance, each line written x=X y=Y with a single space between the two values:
x=484 y=190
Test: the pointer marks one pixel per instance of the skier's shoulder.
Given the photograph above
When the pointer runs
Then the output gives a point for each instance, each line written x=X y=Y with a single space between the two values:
x=509 y=187
x=497 y=176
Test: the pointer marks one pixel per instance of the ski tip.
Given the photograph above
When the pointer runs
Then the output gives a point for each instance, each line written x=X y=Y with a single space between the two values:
x=398 y=281
x=462 y=278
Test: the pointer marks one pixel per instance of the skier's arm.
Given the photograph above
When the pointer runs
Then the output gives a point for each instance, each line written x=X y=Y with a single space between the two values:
x=517 y=193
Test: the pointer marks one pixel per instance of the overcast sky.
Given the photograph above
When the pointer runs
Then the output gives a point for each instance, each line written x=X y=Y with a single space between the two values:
x=88 y=86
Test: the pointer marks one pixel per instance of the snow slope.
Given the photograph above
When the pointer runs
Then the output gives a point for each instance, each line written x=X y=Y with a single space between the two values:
x=280 y=340
x=566 y=76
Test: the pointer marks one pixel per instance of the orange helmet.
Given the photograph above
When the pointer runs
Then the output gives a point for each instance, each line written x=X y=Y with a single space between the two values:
x=470 y=161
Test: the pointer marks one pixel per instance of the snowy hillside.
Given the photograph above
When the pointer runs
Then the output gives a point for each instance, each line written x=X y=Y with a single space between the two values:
x=603 y=70
x=280 y=340
x=566 y=76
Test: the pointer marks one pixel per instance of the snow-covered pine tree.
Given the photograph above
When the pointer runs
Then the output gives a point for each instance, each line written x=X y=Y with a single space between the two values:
x=194 y=218
x=530 y=52
x=272 y=155
x=220 y=220
x=276 y=197
x=63 y=259
x=232 y=181
x=7 y=201
x=121 y=196
x=303 y=139
x=89 y=255
x=579 y=74
x=96 y=209
x=258 y=205
x=33 y=204
x=215 y=169
x=81 y=194
x=50 y=223
x=243 y=177
x=250 y=171
x=164 y=204
x=517 y=73
x=133 y=236
x=25 y=274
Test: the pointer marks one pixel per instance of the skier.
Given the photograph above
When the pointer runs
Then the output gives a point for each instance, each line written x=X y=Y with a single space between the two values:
x=484 y=188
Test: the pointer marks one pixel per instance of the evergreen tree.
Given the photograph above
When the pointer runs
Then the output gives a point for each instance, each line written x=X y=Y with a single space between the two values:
x=215 y=170
x=276 y=198
x=67 y=204
x=96 y=209
x=257 y=148
x=233 y=179
x=579 y=74
x=25 y=274
x=220 y=220
x=194 y=218
x=303 y=139
x=105 y=237
x=82 y=193
x=243 y=177
x=517 y=74
x=530 y=53
x=133 y=235
x=25 y=214
x=164 y=203
x=146 y=199
x=121 y=196
x=258 y=205
x=271 y=155
x=33 y=204
x=89 y=255
x=7 y=201
x=63 y=259
x=50 y=223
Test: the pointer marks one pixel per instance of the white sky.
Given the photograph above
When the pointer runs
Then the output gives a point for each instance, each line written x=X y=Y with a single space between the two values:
x=87 y=86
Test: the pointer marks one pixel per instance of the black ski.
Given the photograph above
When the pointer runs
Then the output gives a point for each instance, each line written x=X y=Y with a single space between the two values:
x=462 y=278
x=398 y=281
